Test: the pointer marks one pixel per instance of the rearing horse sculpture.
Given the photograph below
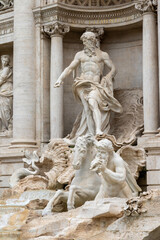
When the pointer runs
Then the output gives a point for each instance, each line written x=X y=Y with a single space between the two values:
x=86 y=183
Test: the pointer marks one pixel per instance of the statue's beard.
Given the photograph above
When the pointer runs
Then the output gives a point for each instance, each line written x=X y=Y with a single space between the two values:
x=90 y=50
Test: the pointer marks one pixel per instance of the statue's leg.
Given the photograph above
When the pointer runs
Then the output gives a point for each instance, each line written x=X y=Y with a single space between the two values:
x=59 y=195
x=70 y=202
x=88 y=113
x=96 y=114
x=79 y=194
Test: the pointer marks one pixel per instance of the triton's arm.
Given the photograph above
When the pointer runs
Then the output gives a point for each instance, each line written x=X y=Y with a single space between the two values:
x=68 y=70
x=117 y=177
x=119 y=174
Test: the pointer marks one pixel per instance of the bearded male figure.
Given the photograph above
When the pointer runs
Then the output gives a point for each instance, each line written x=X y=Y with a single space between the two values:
x=91 y=89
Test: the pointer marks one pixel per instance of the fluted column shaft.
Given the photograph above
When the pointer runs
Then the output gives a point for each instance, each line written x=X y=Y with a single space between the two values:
x=150 y=73
x=158 y=12
x=56 y=94
x=56 y=32
x=24 y=109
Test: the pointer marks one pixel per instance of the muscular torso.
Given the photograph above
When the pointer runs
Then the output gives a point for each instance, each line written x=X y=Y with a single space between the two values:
x=112 y=188
x=92 y=67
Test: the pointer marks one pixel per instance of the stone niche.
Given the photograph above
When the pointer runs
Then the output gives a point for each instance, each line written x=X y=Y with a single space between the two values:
x=125 y=49
x=6 y=49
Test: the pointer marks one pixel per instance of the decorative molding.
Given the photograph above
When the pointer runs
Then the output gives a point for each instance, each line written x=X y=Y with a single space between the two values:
x=6 y=4
x=56 y=29
x=6 y=27
x=147 y=5
x=85 y=17
x=92 y=3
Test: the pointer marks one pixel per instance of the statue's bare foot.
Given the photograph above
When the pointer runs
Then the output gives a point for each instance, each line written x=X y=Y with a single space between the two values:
x=70 y=142
x=70 y=207
x=99 y=132
x=46 y=211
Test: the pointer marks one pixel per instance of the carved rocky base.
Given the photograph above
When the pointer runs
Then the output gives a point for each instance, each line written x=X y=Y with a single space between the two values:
x=143 y=227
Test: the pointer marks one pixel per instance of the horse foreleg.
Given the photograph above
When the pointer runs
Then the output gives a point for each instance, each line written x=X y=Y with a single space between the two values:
x=76 y=192
x=80 y=194
x=59 y=195
x=71 y=196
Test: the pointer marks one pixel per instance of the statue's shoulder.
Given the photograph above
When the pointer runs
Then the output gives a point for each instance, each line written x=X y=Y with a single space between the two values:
x=105 y=55
x=117 y=159
x=79 y=54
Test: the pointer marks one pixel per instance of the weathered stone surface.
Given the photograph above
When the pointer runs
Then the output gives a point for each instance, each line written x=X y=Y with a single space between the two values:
x=31 y=183
x=71 y=225
x=111 y=207
x=63 y=226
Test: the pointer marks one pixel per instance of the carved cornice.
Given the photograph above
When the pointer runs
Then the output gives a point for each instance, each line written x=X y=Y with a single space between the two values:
x=6 y=4
x=6 y=27
x=92 y=3
x=56 y=29
x=147 y=5
x=87 y=17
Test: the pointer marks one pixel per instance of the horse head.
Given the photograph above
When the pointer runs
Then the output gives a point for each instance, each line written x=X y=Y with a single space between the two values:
x=81 y=148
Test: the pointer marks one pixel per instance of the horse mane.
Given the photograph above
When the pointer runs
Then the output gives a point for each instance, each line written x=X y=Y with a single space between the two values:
x=83 y=142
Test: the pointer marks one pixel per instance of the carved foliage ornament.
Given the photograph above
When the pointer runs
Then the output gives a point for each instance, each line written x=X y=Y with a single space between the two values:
x=56 y=29
x=97 y=3
x=147 y=5
x=5 y=4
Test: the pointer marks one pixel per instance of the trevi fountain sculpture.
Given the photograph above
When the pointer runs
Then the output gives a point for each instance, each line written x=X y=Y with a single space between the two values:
x=88 y=176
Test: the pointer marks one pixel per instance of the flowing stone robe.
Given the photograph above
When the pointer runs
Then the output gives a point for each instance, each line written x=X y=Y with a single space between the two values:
x=6 y=98
x=103 y=94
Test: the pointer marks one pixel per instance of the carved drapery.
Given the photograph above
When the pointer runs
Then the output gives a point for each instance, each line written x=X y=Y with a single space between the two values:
x=5 y=4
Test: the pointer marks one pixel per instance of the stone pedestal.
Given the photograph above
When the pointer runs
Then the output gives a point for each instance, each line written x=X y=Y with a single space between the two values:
x=24 y=102
x=152 y=147
x=56 y=32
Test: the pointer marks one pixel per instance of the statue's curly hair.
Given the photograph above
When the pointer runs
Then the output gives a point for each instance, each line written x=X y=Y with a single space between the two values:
x=105 y=145
x=89 y=35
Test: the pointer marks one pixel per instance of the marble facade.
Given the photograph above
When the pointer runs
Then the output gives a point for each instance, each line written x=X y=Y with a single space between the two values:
x=39 y=34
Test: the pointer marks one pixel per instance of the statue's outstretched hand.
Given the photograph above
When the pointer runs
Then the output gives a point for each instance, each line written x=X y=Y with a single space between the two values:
x=57 y=84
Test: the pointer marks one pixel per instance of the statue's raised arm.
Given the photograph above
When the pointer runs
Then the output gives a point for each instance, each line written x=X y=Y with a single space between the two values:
x=68 y=70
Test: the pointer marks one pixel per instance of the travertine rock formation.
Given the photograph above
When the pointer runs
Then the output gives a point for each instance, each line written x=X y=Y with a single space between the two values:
x=75 y=225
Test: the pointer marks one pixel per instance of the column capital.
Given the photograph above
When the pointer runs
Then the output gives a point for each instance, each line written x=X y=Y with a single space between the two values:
x=146 y=5
x=56 y=29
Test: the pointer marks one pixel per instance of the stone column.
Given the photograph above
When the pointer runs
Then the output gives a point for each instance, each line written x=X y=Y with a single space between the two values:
x=150 y=67
x=158 y=12
x=56 y=32
x=24 y=122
